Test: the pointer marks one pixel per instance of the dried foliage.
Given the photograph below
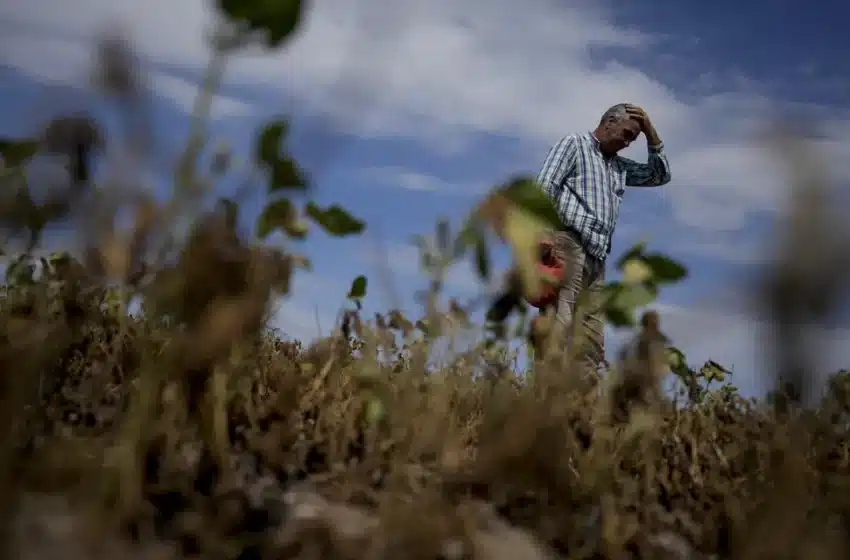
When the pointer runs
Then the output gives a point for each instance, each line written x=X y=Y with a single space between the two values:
x=187 y=429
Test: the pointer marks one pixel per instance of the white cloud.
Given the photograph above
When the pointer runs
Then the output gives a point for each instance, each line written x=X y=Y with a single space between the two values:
x=441 y=70
x=727 y=246
x=43 y=56
x=400 y=177
x=717 y=171
x=67 y=58
x=411 y=179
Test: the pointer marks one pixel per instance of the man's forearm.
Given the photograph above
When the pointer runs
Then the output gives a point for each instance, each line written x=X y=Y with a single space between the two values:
x=652 y=138
x=654 y=173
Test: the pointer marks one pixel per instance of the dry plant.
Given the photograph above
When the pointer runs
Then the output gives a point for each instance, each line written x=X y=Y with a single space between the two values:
x=148 y=412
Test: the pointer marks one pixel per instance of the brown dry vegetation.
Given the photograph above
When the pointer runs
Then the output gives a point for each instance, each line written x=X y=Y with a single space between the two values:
x=189 y=430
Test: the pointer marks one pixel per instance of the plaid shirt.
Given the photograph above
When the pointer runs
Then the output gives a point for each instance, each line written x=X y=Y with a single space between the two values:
x=587 y=187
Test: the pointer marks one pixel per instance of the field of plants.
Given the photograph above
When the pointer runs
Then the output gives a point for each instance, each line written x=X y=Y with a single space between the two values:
x=147 y=411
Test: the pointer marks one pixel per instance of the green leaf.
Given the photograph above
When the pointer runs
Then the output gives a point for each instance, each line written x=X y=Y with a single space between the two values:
x=635 y=252
x=632 y=296
x=636 y=271
x=58 y=258
x=277 y=18
x=712 y=371
x=623 y=299
x=335 y=220
x=280 y=214
x=677 y=360
x=17 y=152
x=270 y=140
x=287 y=175
x=526 y=194
x=620 y=317
x=358 y=288
x=665 y=269
x=284 y=172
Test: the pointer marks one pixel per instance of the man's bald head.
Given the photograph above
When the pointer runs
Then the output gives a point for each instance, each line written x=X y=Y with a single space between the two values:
x=617 y=113
x=617 y=129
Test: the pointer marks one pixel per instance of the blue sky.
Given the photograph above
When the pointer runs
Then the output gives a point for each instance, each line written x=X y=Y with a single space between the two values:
x=406 y=111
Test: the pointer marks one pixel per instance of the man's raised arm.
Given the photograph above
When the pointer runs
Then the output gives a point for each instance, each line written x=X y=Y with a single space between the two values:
x=656 y=171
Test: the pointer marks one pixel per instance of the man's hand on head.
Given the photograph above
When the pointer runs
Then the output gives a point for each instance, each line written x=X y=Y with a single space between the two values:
x=638 y=114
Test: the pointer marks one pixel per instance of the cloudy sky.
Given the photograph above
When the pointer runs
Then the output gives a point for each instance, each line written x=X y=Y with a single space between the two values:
x=405 y=111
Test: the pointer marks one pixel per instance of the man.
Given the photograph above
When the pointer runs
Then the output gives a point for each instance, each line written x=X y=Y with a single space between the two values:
x=585 y=180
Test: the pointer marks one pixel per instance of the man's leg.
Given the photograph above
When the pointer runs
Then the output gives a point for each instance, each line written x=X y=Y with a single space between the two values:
x=569 y=250
x=584 y=279
x=594 y=323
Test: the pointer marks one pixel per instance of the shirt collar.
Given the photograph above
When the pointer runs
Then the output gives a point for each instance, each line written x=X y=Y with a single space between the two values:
x=595 y=141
